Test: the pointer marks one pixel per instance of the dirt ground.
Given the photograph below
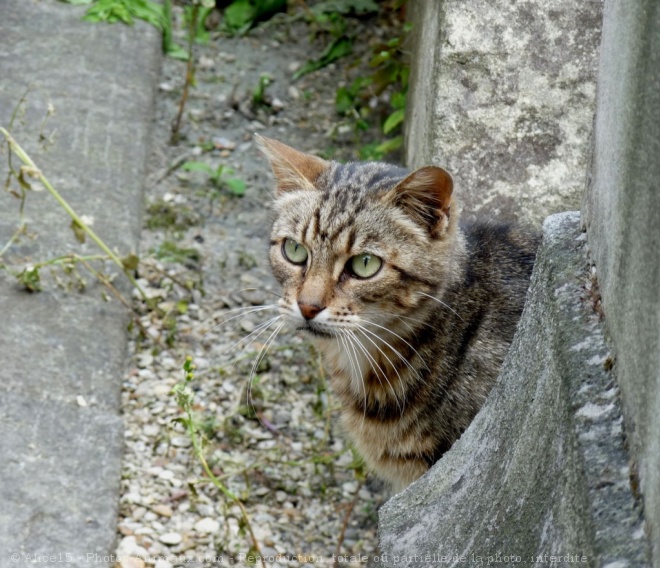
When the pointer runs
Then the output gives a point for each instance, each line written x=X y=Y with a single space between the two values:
x=280 y=451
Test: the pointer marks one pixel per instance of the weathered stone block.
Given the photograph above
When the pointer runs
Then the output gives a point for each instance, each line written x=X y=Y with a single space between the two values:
x=502 y=95
x=622 y=214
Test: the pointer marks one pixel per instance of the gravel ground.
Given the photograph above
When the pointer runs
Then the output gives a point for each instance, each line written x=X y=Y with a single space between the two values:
x=280 y=452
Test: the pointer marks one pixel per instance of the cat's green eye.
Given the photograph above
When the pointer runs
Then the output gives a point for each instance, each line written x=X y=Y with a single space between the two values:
x=294 y=252
x=365 y=265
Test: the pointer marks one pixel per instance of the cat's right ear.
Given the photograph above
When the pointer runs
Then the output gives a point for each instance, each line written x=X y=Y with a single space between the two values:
x=425 y=195
x=293 y=170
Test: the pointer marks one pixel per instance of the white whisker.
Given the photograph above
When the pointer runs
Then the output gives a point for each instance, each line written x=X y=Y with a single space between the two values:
x=251 y=310
x=257 y=361
x=442 y=304
x=390 y=346
x=258 y=290
x=366 y=352
x=347 y=341
x=258 y=330
x=395 y=351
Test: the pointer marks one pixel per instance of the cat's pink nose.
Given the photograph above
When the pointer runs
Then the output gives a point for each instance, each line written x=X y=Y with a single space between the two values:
x=309 y=311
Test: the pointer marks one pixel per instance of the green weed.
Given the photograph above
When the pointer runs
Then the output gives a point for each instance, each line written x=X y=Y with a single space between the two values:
x=185 y=397
x=220 y=177
x=168 y=251
x=241 y=15
x=175 y=217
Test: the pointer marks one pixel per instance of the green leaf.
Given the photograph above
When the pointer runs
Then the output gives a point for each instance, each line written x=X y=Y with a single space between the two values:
x=258 y=95
x=30 y=278
x=77 y=2
x=398 y=100
x=131 y=261
x=241 y=15
x=170 y=47
x=394 y=120
x=175 y=51
x=125 y=11
x=340 y=47
x=369 y=152
x=390 y=145
x=344 y=101
x=236 y=186
x=198 y=167
x=110 y=11
x=78 y=231
x=202 y=35
x=168 y=251
x=360 y=84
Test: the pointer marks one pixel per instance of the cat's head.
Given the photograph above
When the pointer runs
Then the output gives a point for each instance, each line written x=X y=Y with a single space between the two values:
x=357 y=243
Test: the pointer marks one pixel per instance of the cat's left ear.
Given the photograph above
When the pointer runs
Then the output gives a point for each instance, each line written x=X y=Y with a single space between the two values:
x=293 y=169
x=425 y=195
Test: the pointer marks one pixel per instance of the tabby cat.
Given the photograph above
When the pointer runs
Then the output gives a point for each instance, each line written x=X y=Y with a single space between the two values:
x=412 y=312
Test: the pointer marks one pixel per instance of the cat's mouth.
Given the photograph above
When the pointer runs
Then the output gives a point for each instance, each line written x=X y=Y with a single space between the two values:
x=315 y=331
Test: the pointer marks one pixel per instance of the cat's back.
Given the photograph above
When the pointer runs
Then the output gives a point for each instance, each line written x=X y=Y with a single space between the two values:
x=500 y=257
x=490 y=294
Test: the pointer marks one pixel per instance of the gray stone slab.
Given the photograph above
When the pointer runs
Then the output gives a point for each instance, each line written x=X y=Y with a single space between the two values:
x=99 y=79
x=543 y=468
x=61 y=461
x=502 y=95
x=622 y=214
x=62 y=347
x=60 y=472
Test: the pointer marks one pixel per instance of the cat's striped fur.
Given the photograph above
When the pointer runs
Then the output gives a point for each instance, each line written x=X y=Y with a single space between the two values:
x=414 y=350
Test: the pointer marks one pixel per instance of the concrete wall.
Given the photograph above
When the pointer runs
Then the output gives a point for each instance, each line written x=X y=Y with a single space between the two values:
x=622 y=214
x=502 y=95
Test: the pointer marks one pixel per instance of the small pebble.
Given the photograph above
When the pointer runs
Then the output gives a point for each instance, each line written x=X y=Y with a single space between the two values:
x=146 y=374
x=169 y=363
x=162 y=390
x=171 y=538
x=207 y=526
x=131 y=562
x=205 y=62
x=349 y=487
x=167 y=474
x=205 y=510
x=145 y=359
x=280 y=496
x=180 y=441
x=224 y=143
x=162 y=510
x=151 y=430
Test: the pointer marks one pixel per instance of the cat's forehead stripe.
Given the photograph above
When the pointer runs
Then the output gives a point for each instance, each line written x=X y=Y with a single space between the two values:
x=370 y=177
